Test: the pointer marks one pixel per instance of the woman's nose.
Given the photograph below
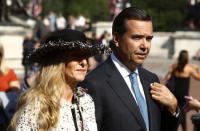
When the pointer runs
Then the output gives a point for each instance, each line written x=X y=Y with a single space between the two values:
x=84 y=62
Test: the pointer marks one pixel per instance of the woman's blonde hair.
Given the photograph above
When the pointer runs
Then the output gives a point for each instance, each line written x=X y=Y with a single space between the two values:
x=48 y=93
x=3 y=68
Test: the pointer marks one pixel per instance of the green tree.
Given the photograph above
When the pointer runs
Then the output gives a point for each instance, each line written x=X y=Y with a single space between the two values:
x=169 y=15
x=96 y=10
x=57 y=6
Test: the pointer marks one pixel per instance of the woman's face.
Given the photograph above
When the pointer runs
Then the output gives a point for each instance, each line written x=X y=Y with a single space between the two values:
x=76 y=66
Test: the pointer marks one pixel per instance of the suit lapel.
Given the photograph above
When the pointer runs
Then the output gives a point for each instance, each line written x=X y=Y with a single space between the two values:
x=119 y=86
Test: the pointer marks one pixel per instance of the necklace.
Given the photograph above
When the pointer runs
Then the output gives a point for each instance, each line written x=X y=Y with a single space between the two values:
x=75 y=100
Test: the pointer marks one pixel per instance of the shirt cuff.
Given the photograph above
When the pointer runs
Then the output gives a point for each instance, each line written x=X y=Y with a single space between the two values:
x=177 y=112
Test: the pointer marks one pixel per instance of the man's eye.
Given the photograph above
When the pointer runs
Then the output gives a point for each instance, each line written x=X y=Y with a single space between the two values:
x=137 y=37
x=149 y=38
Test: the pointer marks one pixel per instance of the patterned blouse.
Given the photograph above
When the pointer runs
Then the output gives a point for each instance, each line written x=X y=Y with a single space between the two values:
x=72 y=117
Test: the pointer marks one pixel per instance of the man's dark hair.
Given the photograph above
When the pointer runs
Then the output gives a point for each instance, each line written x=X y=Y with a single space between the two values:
x=119 y=24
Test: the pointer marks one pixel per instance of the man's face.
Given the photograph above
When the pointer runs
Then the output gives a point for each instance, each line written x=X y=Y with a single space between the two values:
x=134 y=45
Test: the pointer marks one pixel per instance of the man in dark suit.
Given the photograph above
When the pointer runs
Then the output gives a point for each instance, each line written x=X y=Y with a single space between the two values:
x=118 y=106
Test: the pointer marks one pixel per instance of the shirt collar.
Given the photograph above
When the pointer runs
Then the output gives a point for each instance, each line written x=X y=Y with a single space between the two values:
x=124 y=71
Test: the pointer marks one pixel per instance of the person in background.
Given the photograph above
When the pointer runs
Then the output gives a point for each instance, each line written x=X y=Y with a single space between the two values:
x=88 y=25
x=182 y=72
x=128 y=97
x=28 y=46
x=8 y=79
x=71 y=22
x=30 y=80
x=192 y=104
x=61 y=22
x=80 y=22
x=105 y=37
x=52 y=20
x=98 y=58
x=54 y=103
x=9 y=88
x=45 y=27
x=197 y=56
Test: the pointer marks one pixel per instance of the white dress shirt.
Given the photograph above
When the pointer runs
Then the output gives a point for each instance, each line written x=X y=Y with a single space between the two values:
x=125 y=72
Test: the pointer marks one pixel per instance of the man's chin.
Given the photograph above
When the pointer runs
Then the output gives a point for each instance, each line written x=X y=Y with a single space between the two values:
x=140 y=61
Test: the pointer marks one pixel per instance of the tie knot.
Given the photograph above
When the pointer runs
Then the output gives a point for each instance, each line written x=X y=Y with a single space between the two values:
x=133 y=74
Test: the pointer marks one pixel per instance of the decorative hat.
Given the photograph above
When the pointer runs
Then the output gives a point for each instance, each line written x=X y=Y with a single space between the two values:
x=63 y=41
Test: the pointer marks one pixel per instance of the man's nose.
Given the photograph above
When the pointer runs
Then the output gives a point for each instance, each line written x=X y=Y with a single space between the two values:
x=144 y=44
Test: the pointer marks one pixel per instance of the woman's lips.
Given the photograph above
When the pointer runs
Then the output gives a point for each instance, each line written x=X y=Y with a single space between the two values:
x=81 y=70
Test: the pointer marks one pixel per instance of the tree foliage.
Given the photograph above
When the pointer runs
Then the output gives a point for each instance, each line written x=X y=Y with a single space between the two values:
x=168 y=15
x=57 y=6
x=96 y=10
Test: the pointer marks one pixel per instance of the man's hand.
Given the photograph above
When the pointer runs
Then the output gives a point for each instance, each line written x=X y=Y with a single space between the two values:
x=162 y=94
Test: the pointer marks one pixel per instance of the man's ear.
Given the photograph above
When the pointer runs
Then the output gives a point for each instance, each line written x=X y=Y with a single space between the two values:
x=116 y=39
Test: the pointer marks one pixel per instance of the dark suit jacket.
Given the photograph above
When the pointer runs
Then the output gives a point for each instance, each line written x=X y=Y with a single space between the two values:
x=116 y=109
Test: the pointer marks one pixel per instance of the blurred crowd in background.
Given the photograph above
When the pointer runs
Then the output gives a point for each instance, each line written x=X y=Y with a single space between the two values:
x=182 y=14
x=53 y=21
x=57 y=21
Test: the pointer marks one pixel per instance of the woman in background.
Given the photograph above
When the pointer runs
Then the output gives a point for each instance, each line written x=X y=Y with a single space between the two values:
x=182 y=72
x=8 y=78
x=9 y=90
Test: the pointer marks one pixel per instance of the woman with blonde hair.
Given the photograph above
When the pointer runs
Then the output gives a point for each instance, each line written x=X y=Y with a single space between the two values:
x=55 y=103
x=182 y=72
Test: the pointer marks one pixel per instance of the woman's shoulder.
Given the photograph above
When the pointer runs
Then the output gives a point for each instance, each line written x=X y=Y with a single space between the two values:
x=189 y=67
x=83 y=95
x=28 y=116
x=192 y=65
x=173 y=66
x=31 y=109
x=11 y=73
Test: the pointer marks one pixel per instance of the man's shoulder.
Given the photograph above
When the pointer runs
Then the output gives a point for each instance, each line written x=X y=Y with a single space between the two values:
x=146 y=72
x=95 y=76
x=99 y=70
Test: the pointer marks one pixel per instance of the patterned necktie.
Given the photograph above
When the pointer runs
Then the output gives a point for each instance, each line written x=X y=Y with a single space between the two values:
x=140 y=99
